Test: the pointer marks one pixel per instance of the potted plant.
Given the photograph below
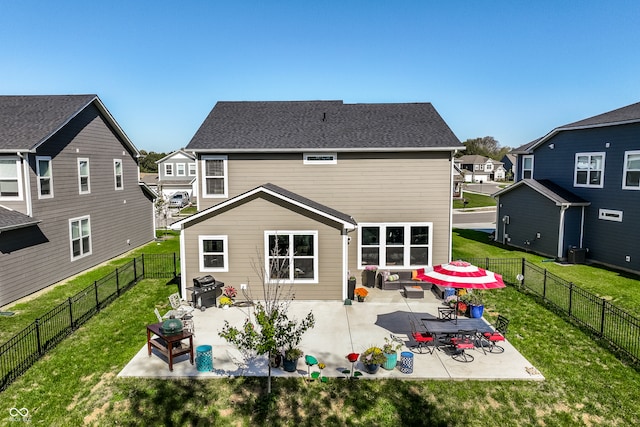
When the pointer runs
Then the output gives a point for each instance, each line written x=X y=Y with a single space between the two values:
x=476 y=304
x=361 y=294
x=229 y=291
x=370 y=274
x=390 y=349
x=225 y=302
x=372 y=358
x=290 y=359
x=451 y=301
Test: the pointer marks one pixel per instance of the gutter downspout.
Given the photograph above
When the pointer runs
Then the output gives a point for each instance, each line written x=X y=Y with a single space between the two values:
x=451 y=184
x=183 y=264
x=563 y=208
x=582 y=227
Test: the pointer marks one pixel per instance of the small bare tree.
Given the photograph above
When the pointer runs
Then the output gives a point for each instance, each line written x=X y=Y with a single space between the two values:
x=269 y=330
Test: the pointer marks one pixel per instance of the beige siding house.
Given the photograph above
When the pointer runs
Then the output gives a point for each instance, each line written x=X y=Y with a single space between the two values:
x=366 y=184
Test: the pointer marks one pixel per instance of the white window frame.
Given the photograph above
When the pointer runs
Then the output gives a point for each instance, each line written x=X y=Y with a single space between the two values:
x=292 y=256
x=16 y=159
x=40 y=177
x=320 y=158
x=382 y=245
x=115 y=174
x=168 y=169
x=610 y=215
x=626 y=169
x=224 y=177
x=71 y=239
x=193 y=169
x=80 y=176
x=181 y=169
x=224 y=253
x=575 y=170
x=524 y=169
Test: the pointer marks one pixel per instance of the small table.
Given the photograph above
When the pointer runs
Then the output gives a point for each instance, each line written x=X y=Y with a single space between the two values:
x=166 y=344
x=413 y=292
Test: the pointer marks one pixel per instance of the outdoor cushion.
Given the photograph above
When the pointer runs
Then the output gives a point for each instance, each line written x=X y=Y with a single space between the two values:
x=393 y=277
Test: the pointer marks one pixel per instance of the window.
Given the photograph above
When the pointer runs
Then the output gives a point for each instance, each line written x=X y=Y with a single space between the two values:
x=83 y=176
x=292 y=256
x=168 y=169
x=589 y=170
x=10 y=182
x=117 y=174
x=180 y=169
x=527 y=167
x=45 y=180
x=192 y=169
x=214 y=172
x=397 y=245
x=631 y=176
x=213 y=253
x=320 y=158
x=610 y=215
x=80 y=235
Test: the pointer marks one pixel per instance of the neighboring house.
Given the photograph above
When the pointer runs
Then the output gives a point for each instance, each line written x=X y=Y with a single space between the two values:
x=338 y=186
x=509 y=164
x=70 y=197
x=578 y=192
x=177 y=172
x=480 y=168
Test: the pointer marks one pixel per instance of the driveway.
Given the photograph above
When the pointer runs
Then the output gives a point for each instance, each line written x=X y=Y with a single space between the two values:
x=340 y=329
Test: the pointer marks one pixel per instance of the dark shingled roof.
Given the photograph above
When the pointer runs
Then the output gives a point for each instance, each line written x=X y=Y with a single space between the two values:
x=550 y=190
x=322 y=125
x=10 y=219
x=26 y=121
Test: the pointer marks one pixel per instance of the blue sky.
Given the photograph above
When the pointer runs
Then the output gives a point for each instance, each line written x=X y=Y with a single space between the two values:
x=508 y=69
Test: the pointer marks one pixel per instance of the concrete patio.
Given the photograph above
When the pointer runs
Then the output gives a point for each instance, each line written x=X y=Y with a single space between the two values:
x=340 y=329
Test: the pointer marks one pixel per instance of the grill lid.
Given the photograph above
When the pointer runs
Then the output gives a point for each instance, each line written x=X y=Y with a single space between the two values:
x=203 y=280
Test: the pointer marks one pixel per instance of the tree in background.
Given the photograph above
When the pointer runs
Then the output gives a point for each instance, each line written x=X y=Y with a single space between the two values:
x=486 y=146
x=148 y=161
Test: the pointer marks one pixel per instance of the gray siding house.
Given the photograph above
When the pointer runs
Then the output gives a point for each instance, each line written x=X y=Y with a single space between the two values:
x=70 y=196
x=177 y=172
x=342 y=186
x=578 y=192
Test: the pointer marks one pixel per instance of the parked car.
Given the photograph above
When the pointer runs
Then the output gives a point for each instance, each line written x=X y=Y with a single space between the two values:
x=179 y=199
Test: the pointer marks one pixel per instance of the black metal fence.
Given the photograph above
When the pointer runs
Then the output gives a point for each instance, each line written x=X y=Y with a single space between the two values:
x=618 y=327
x=20 y=352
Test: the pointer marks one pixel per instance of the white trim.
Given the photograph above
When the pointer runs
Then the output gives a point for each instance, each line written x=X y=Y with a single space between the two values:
x=625 y=170
x=406 y=256
x=88 y=191
x=115 y=174
x=19 y=174
x=183 y=263
x=602 y=168
x=224 y=253
x=529 y=156
x=79 y=220
x=192 y=169
x=224 y=177
x=168 y=166
x=320 y=158
x=184 y=170
x=292 y=256
x=39 y=178
x=610 y=215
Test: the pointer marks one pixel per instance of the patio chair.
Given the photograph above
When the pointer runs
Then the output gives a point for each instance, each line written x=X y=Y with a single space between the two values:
x=448 y=313
x=422 y=339
x=181 y=309
x=462 y=341
x=158 y=316
x=502 y=324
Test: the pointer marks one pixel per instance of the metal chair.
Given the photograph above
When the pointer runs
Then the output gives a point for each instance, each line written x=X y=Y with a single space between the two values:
x=502 y=324
x=461 y=342
x=158 y=316
x=422 y=339
x=180 y=308
x=448 y=313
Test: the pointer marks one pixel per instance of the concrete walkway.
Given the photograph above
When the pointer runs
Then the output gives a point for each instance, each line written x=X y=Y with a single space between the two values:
x=340 y=329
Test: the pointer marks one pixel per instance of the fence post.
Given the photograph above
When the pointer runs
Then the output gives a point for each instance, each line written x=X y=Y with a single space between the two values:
x=144 y=274
x=95 y=287
x=522 y=272
x=570 y=297
x=70 y=312
x=117 y=282
x=135 y=270
x=602 y=316
x=40 y=351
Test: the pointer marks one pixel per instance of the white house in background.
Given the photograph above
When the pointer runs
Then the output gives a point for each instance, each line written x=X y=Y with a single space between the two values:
x=478 y=168
x=177 y=172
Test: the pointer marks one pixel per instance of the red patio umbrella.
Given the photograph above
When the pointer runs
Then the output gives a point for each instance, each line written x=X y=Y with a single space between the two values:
x=461 y=274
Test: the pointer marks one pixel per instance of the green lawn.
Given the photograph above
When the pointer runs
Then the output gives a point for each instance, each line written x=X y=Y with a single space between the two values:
x=475 y=201
x=77 y=383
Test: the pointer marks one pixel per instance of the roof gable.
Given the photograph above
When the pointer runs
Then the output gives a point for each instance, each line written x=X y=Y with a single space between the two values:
x=309 y=205
x=178 y=154
x=548 y=189
x=322 y=125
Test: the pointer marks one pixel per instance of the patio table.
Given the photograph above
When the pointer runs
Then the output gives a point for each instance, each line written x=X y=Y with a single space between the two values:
x=443 y=329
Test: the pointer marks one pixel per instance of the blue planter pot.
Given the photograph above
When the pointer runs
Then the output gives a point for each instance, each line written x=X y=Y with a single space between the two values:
x=290 y=365
x=476 y=311
x=371 y=368
x=392 y=360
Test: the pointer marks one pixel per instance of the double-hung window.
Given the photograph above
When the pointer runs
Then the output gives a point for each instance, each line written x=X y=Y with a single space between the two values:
x=45 y=177
x=83 y=176
x=395 y=245
x=214 y=176
x=117 y=174
x=80 y=237
x=214 y=254
x=527 y=167
x=631 y=176
x=180 y=169
x=192 y=169
x=168 y=169
x=10 y=182
x=589 y=170
x=292 y=256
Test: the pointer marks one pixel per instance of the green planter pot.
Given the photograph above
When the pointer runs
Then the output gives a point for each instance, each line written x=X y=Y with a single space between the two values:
x=392 y=360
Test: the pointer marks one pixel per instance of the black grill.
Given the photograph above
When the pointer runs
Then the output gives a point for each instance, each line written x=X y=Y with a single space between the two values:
x=205 y=291
x=202 y=281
